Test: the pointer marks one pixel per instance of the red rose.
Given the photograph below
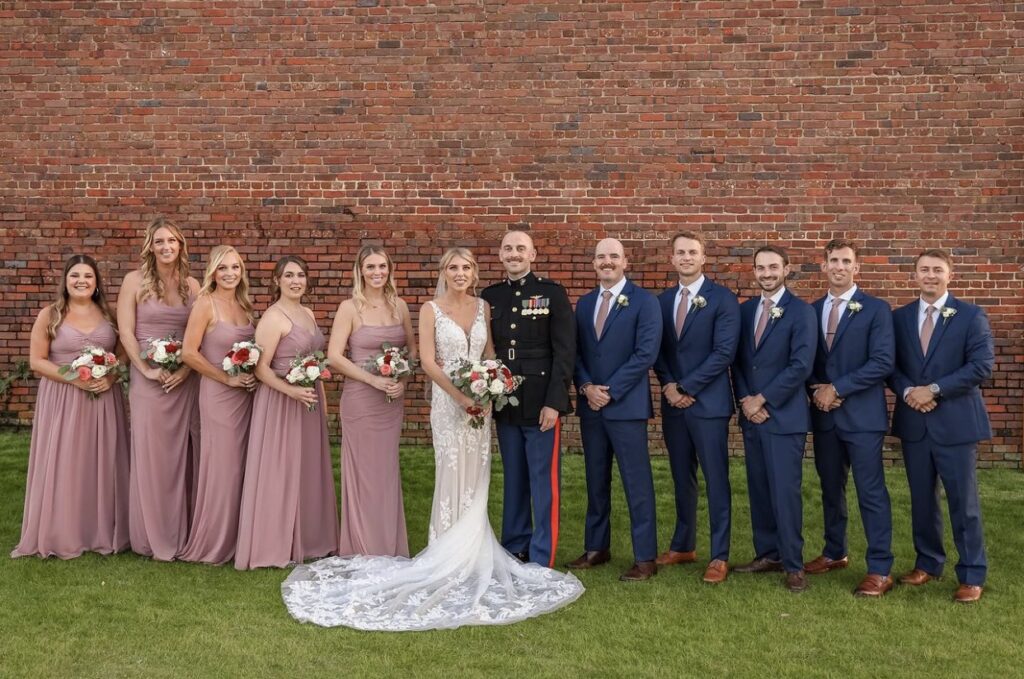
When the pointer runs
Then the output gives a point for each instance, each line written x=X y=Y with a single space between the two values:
x=171 y=348
x=239 y=357
x=99 y=360
x=505 y=372
x=310 y=363
x=475 y=411
x=387 y=358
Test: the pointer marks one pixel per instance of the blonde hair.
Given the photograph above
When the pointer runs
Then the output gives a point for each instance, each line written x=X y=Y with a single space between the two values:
x=390 y=291
x=151 y=285
x=446 y=259
x=60 y=305
x=217 y=256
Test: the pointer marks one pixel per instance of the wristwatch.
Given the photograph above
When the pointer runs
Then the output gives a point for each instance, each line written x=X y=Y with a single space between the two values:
x=934 y=388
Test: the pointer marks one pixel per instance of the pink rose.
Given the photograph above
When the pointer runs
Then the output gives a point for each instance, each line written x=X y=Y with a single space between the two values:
x=385 y=370
x=84 y=373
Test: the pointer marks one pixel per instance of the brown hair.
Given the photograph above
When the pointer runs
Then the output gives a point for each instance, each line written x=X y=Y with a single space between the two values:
x=151 y=285
x=775 y=249
x=275 y=281
x=692 y=235
x=839 y=244
x=60 y=304
x=937 y=254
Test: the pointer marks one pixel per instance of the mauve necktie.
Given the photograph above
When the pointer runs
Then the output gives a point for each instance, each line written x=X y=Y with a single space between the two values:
x=684 y=306
x=762 y=322
x=833 y=323
x=926 y=328
x=602 y=313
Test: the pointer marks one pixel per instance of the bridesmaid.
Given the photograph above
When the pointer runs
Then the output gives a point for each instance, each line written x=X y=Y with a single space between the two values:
x=76 y=497
x=289 y=511
x=372 y=518
x=221 y=316
x=154 y=302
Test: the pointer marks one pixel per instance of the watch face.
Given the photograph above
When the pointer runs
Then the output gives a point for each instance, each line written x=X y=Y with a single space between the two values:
x=934 y=388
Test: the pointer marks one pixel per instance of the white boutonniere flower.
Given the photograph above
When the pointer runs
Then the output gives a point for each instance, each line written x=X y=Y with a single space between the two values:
x=699 y=302
x=775 y=313
x=622 y=301
x=947 y=313
x=854 y=307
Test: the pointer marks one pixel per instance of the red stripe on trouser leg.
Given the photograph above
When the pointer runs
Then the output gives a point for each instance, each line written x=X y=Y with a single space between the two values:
x=555 y=501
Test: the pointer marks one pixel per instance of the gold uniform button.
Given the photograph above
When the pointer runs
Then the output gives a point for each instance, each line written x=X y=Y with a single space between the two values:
x=513 y=326
x=518 y=293
x=513 y=342
x=514 y=309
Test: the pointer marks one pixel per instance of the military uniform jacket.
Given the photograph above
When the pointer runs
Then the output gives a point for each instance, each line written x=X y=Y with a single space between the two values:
x=534 y=334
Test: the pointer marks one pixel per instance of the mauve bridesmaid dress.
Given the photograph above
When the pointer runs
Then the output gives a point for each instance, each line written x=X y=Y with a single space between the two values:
x=165 y=443
x=225 y=413
x=76 y=497
x=372 y=517
x=289 y=511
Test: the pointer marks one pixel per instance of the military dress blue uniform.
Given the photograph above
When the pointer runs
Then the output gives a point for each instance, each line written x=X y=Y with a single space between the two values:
x=534 y=335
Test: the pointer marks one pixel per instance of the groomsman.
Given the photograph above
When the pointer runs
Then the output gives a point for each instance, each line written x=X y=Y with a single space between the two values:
x=944 y=351
x=774 y=360
x=850 y=416
x=534 y=335
x=701 y=323
x=618 y=331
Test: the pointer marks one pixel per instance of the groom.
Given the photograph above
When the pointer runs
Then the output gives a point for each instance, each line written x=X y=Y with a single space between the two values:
x=533 y=333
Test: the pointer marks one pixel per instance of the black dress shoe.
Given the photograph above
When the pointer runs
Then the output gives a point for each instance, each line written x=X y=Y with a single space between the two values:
x=522 y=556
x=641 y=570
x=796 y=581
x=590 y=559
x=760 y=566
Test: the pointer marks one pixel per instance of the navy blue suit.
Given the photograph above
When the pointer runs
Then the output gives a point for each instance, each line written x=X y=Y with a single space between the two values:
x=860 y=360
x=943 y=443
x=698 y=362
x=621 y=359
x=778 y=369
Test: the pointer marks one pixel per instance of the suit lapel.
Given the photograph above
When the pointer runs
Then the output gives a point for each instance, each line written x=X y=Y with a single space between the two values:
x=772 y=322
x=844 y=321
x=819 y=310
x=693 y=312
x=910 y=327
x=587 y=304
x=940 y=327
x=667 y=300
x=613 y=313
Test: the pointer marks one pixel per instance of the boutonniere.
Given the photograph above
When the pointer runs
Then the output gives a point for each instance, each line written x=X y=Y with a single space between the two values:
x=699 y=302
x=947 y=313
x=621 y=301
x=775 y=313
x=854 y=307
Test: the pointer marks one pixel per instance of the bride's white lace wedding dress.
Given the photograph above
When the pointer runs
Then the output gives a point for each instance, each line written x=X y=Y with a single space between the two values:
x=464 y=576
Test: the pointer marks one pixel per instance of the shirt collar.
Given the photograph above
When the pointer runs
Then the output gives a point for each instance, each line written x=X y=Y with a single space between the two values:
x=776 y=297
x=846 y=296
x=693 y=287
x=922 y=305
x=616 y=289
x=521 y=280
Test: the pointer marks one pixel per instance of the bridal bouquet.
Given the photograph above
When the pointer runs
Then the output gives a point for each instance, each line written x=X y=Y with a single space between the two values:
x=242 y=358
x=93 y=363
x=486 y=382
x=164 y=352
x=393 y=362
x=306 y=369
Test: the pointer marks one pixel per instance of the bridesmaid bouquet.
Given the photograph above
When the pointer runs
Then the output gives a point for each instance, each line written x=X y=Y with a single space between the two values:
x=93 y=363
x=242 y=358
x=164 y=352
x=486 y=382
x=307 y=369
x=393 y=362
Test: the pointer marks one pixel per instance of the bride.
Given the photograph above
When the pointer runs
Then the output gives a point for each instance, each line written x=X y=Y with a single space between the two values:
x=464 y=576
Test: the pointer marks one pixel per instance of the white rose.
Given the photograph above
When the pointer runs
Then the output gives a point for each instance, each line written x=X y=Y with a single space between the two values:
x=313 y=372
x=160 y=355
x=497 y=387
x=478 y=387
x=226 y=363
x=254 y=356
x=99 y=371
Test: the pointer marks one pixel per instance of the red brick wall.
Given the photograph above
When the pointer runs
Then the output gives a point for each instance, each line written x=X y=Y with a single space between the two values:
x=313 y=127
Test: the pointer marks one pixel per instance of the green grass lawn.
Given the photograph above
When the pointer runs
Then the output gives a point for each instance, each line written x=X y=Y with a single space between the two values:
x=126 y=616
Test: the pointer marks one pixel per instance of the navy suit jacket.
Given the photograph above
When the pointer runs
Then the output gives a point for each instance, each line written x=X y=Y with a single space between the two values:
x=779 y=367
x=960 y=357
x=861 y=358
x=623 y=356
x=699 y=360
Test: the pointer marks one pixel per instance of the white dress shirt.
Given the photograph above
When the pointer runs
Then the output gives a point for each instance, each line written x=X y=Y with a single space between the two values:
x=760 y=304
x=844 y=299
x=923 y=305
x=616 y=291
x=694 y=289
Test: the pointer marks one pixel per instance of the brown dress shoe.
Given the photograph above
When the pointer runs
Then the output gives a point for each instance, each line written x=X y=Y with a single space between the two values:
x=915 y=577
x=796 y=581
x=641 y=570
x=671 y=558
x=966 y=594
x=760 y=566
x=823 y=564
x=590 y=559
x=874 y=585
x=716 y=572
